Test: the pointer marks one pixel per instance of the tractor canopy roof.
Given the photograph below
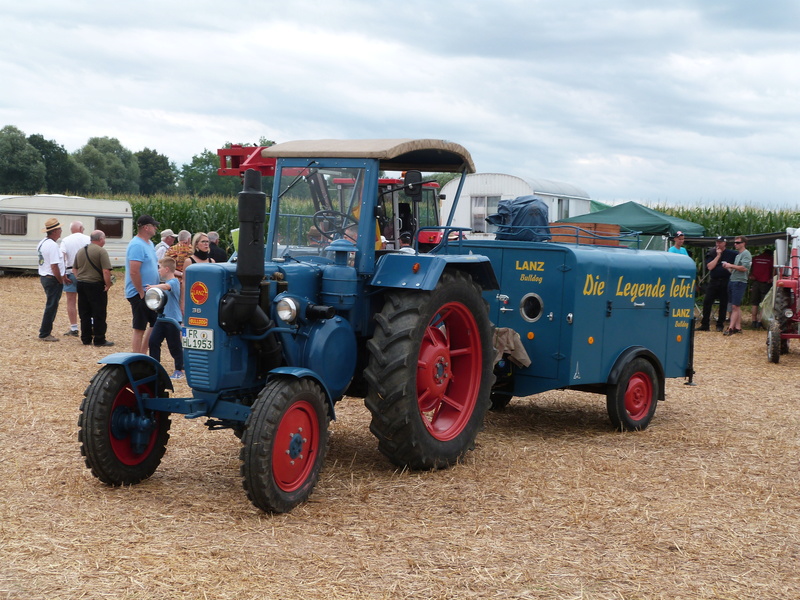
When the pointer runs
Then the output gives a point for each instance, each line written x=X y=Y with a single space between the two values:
x=394 y=155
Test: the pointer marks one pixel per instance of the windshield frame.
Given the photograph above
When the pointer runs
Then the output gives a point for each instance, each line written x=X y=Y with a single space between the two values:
x=369 y=170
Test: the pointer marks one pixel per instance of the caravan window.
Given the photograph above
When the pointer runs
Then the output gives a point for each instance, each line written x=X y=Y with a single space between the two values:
x=482 y=207
x=13 y=224
x=111 y=227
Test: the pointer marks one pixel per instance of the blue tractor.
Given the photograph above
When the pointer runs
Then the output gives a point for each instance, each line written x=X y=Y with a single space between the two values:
x=333 y=301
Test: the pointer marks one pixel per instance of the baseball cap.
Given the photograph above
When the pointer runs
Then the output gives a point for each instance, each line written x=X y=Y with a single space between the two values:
x=678 y=233
x=146 y=220
x=721 y=238
x=168 y=233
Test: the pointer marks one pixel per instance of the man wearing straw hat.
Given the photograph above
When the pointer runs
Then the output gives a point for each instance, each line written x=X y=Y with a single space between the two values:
x=52 y=275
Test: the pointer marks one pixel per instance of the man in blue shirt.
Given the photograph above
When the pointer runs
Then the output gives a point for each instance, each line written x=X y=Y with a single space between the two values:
x=141 y=270
x=678 y=247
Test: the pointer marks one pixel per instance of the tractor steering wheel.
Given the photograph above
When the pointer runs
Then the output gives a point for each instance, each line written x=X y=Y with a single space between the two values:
x=335 y=222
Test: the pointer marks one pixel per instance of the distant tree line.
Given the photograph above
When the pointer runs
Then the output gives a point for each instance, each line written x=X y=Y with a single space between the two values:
x=33 y=164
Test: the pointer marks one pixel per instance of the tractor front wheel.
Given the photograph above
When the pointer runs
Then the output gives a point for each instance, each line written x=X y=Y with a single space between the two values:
x=121 y=446
x=774 y=342
x=632 y=401
x=284 y=444
x=430 y=373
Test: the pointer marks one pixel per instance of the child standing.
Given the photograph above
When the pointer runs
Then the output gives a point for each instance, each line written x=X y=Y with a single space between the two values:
x=164 y=329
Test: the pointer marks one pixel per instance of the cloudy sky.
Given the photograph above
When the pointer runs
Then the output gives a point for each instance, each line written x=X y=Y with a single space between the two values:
x=681 y=102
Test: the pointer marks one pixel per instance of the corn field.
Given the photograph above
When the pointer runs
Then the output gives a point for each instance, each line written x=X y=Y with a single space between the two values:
x=209 y=213
x=730 y=220
x=219 y=213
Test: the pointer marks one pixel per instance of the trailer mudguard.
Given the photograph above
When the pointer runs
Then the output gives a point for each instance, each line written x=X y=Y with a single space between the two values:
x=423 y=271
x=627 y=356
x=301 y=373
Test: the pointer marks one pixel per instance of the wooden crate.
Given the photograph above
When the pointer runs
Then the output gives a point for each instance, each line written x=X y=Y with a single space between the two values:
x=606 y=230
x=561 y=232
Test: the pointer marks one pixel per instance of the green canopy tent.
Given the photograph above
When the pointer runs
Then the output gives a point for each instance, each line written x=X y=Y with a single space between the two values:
x=656 y=228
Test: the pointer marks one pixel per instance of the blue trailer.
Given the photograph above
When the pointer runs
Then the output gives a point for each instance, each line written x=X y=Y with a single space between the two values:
x=330 y=302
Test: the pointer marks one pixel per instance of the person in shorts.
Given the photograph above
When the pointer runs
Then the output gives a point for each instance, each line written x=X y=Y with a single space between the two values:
x=739 y=268
x=70 y=245
x=141 y=270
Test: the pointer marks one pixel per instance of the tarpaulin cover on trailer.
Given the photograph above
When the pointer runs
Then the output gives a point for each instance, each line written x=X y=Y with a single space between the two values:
x=525 y=218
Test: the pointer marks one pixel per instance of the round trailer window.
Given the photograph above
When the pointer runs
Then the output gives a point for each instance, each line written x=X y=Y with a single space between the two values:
x=530 y=307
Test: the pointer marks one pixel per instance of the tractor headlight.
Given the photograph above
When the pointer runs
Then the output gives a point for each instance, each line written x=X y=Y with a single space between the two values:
x=788 y=313
x=155 y=299
x=287 y=310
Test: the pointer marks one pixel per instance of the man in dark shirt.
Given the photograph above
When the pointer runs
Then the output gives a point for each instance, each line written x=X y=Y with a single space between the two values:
x=717 y=288
x=217 y=253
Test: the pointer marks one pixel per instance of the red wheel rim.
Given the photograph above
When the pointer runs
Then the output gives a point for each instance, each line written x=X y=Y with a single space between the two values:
x=295 y=448
x=449 y=371
x=638 y=396
x=126 y=400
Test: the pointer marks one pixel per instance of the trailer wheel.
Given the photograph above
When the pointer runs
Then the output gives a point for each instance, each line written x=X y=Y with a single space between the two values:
x=430 y=373
x=284 y=444
x=632 y=401
x=774 y=342
x=120 y=446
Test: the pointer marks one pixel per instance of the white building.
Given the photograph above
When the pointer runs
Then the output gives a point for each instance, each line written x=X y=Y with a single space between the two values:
x=482 y=192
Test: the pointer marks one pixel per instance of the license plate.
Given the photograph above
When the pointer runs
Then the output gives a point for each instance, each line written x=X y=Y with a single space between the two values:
x=197 y=339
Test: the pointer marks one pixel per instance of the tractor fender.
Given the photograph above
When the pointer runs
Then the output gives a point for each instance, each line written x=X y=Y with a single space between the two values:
x=423 y=271
x=627 y=356
x=126 y=359
x=302 y=373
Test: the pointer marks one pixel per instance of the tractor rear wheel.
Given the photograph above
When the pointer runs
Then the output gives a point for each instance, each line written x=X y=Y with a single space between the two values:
x=430 y=373
x=120 y=446
x=284 y=444
x=631 y=403
x=774 y=342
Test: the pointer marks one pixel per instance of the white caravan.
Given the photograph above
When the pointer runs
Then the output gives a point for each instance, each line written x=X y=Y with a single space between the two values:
x=22 y=219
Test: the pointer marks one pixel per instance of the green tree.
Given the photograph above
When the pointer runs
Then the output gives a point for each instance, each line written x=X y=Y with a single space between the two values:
x=156 y=173
x=113 y=167
x=201 y=179
x=22 y=169
x=64 y=174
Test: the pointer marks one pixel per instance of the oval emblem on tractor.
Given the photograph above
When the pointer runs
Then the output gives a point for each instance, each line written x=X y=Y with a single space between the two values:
x=198 y=292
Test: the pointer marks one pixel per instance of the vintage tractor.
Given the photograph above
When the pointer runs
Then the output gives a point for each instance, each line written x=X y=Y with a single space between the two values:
x=331 y=304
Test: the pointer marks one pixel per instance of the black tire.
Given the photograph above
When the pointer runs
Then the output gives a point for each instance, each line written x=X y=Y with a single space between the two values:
x=284 y=444
x=774 y=342
x=632 y=401
x=110 y=445
x=783 y=300
x=430 y=373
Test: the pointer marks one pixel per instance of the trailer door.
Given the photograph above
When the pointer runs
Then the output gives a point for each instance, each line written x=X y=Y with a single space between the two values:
x=530 y=302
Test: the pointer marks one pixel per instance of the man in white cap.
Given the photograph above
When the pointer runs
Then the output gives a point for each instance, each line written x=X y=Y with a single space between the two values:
x=678 y=248
x=168 y=238
x=52 y=275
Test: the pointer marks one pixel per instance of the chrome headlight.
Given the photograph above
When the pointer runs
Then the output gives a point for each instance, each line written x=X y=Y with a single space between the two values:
x=788 y=313
x=287 y=310
x=155 y=299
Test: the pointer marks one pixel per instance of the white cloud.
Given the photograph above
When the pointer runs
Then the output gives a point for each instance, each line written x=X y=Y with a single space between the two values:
x=685 y=101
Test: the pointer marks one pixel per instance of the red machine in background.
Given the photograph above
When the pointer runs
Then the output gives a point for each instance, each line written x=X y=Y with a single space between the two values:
x=786 y=312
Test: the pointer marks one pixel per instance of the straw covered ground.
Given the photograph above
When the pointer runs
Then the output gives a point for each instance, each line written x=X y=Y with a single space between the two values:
x=552 y=503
